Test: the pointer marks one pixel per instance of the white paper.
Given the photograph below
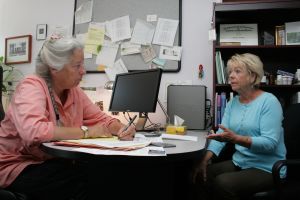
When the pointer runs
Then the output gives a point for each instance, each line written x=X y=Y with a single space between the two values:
x=138 y=140
x=165 y=32
x=60 y=31
x=98 y=25
x=119 y=29
x=118 y=68
x=179 y=137
x=151 y=18
x=83 y=13
x=139 y=152
x=128 y=48
x=107 y=54
x=148 y=53
x=170 y=53
x=142 y=33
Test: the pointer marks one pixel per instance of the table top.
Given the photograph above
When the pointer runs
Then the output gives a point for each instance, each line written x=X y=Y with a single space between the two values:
x=184 y=150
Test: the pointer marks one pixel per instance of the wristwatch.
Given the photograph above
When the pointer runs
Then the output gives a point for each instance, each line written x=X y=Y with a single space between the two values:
x=85 y=130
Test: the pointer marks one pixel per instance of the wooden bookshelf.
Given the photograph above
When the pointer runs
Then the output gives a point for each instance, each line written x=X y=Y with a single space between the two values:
x=267 y=15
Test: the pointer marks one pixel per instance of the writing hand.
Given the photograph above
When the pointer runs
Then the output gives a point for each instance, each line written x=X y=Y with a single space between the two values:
x=128 y=134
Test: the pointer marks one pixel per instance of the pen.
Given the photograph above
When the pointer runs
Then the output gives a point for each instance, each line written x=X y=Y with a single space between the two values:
x=130 y=122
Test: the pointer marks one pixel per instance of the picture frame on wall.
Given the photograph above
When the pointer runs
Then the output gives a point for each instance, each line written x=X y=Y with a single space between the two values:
x=18 y=49
x=41 y=31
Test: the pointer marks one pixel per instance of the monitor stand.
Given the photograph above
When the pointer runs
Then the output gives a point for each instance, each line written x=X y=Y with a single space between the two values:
x=140 y=125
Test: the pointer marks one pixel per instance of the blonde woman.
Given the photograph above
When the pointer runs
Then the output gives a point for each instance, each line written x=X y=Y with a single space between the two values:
x=253 y=123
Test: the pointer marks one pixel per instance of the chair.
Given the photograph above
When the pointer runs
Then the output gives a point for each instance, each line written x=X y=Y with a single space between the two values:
x=290 y=185
x=5 y=194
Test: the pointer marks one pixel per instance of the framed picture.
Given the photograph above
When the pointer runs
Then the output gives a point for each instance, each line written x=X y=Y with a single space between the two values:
x=18 y=49
x=41 y=31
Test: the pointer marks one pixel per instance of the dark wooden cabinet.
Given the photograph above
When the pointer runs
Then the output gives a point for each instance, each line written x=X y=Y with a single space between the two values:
x=266 y=15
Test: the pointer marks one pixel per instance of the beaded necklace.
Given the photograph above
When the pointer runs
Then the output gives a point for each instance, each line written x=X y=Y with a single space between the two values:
x=58 y=122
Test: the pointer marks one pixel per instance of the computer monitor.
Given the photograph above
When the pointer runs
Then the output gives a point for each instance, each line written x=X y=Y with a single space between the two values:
x=136 y=92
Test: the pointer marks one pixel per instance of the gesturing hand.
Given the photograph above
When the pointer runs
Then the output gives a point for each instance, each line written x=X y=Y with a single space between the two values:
x=226 y=136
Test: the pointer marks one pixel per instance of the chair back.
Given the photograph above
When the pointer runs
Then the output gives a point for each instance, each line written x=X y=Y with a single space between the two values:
x=291 y=125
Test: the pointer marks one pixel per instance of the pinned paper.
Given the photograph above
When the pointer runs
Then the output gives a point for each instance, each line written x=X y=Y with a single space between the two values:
x=178 y=121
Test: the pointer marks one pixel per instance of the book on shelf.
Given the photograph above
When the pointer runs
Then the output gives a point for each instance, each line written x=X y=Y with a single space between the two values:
x=220 y=105
x=216 y=111
x=220 y=69
x=268 y=38
x=219 y=120
x=223 y=104
x=230 y=43
x=280 y=35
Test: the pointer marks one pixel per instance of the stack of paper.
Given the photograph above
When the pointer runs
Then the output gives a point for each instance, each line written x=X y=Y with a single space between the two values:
x=99 y=143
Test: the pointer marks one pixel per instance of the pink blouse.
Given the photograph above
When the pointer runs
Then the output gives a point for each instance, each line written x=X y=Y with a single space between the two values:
x=30 y=121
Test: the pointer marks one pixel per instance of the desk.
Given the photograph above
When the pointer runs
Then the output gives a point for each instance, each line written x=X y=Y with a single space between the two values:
x=184 y=150
x=166 y=176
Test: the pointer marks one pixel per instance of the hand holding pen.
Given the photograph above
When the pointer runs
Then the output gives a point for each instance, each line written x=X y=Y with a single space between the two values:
x=127 y=133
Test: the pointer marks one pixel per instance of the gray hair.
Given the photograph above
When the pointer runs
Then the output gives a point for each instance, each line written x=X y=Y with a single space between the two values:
x=55 y=53
x=251 y=62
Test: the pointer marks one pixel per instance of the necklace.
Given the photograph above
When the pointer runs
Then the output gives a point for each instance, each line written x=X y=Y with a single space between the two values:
x=58 y=122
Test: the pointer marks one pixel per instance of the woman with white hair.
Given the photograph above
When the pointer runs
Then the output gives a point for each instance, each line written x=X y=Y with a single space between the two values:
x=50 y=106
x=252 y=121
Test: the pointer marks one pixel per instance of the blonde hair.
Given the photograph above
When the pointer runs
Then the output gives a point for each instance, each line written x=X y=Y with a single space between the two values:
x=251 y=62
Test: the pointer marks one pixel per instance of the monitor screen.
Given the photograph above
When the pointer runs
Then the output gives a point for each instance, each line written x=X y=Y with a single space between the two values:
x=136 y=91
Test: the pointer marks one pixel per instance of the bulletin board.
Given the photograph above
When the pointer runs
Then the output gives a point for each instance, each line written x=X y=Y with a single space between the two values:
x=106 y=10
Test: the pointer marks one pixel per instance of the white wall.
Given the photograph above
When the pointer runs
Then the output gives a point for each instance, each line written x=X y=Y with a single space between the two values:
x=19 y=17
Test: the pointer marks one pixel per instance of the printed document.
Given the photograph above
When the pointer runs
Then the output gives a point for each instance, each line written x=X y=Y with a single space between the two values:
x=119 y=29
x=165 y=32
x=170 y=53
x=108 y=54
x=83 y=13
x=142 y=33
x=128 y=48
x=118 y=68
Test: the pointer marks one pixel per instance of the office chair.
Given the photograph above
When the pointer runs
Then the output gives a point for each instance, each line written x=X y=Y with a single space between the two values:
x=290 y=185
x=6 y=194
